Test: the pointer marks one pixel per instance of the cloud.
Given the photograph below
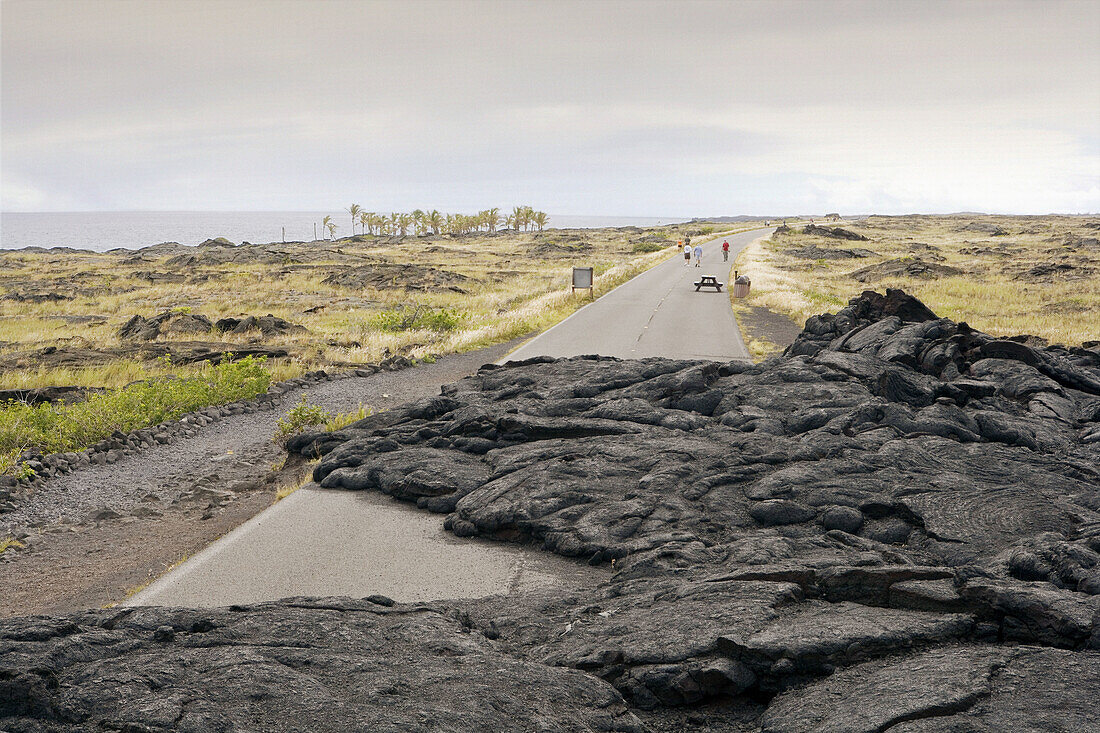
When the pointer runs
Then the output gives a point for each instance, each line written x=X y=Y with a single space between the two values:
x=611 y=107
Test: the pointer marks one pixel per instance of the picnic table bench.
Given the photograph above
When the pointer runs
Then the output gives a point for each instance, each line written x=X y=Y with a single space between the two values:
x=708 y=281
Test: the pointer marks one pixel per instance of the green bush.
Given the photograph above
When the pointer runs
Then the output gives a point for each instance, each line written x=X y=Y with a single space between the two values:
x=420 y=318
x=53 y=428
x=300 y=417
x=649 y=247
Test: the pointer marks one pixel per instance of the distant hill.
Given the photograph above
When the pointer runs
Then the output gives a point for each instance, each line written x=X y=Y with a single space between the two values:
x=736 y=219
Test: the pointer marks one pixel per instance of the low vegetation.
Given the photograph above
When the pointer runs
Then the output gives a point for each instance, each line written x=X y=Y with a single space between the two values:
x=354 y=301
x=285 y=491
x=1003 y=275
x=57 y=427
x=298 y=418
x=343 y=419
x=307 y=414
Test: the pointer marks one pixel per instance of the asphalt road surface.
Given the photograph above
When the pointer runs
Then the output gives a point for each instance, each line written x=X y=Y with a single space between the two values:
x=658 y=313
x=321 y=542
x=328 y=542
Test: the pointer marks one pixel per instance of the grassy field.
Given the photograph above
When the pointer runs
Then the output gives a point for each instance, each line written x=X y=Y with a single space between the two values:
x=1003 y=275
x=359 y=299
x=470 y=291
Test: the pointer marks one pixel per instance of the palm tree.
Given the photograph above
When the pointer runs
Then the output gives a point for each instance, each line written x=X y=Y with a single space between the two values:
x=326 y=223
x=434 y=220
x=354 y=210
x=364 y=220
x=332 y=229
x=404 y=221
x=540 y=218
x=418 y=221
x=374 y=222
x=492 y=218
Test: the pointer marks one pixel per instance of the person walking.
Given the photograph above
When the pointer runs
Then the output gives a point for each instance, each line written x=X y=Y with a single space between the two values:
x=687 y=255
x=698 y=254
x=725 y=251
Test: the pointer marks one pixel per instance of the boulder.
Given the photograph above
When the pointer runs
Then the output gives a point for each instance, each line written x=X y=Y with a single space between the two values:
x=164 y=323
x=907 y=267
x=833 y=233
x=268 y=325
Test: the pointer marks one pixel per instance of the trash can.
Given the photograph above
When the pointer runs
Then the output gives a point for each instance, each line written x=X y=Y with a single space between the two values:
x=741 y=286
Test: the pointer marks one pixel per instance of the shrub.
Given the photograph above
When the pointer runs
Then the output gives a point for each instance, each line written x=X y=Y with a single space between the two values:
x=420 y=318
x=300 y=417
x=642 y=247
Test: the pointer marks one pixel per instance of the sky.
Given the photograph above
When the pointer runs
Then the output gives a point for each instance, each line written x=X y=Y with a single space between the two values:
x=596 y=108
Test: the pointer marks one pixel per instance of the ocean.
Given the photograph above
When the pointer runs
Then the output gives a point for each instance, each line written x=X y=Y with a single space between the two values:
x=103 y=230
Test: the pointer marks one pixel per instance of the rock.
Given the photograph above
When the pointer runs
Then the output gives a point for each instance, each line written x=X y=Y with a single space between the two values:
x=900 y=513
x=103 y=515
x=779 y=511
x=912 y=267
x=351 y=665
x=385 y=276
x=991 y=230
x=825 y=635
x=268 y=325
x=25 y=296
x=813 y=252
x=1051 y=270
x=42 y=395
x=166 y=322
x=181 y=352
x=843 y=518
x=967 y=688
x=833 y=232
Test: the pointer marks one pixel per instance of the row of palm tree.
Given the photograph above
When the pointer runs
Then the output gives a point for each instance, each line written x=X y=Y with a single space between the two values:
x=433 y=222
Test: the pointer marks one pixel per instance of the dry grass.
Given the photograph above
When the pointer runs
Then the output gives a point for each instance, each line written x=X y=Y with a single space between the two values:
x=996 y=290
x=133 y=590
x=289 y=489
x=518 y=283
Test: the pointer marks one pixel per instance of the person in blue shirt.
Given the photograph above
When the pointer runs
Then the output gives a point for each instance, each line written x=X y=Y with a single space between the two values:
x=698 y=254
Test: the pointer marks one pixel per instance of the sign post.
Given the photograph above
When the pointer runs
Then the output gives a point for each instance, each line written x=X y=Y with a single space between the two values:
x=582 y=278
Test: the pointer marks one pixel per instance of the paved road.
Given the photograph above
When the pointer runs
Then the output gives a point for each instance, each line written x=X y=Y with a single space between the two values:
x=658 y=313
x=321 y=542
x=328 y=542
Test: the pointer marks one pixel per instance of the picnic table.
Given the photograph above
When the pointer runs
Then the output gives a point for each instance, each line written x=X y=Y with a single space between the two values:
x=708 y=281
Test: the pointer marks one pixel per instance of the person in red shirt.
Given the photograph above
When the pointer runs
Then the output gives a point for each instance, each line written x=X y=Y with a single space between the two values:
x=725 y=251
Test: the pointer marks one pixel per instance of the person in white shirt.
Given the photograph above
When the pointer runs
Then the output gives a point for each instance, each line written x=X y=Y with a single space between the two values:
x=687 y=255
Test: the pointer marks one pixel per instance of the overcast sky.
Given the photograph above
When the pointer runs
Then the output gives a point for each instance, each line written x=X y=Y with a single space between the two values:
x=617 y=108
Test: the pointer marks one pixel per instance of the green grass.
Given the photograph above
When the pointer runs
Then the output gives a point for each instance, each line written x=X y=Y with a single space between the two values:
x=306 y=414
x=418 y=318
x=54 y=428
x=343 y=419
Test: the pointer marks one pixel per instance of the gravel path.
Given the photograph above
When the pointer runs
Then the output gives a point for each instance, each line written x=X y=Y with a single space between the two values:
x=234 y=447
